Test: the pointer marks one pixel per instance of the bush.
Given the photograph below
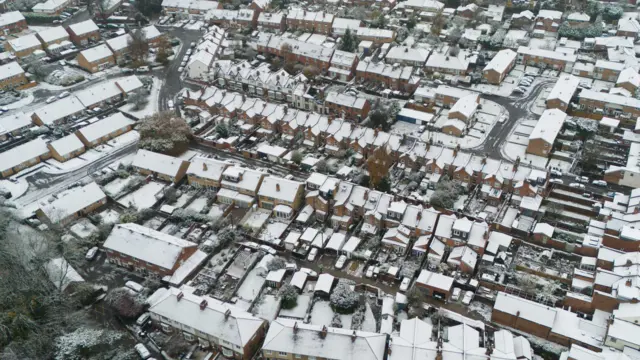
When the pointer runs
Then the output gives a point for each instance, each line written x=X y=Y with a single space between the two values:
x=288 y=296
x=276 y=263
x=187 y=217
x=343 y=299
x=124 y=303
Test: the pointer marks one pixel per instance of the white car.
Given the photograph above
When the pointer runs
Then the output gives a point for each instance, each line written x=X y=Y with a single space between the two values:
x=369 y=273
x=456 y=294
x=291 y=267
x=577 y=185
x=142 y=351
x=404 y=285
x=64 y=95
x=51 y=99
x=309 y=272
x=185 y=58
x=189 y=51
x=556 y=181
x=180 y=69
x=341 y=260
x=556 y=173
x=599 y=183
x=170 y=104
x=312 y=254
x=268 y=249
x=143 y=319
x=134 y=286
x=183 y=64
x=582 y=179
x=91 y=254
x=468 y=296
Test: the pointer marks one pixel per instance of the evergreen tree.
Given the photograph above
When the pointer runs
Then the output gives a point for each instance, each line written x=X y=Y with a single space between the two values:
x=349 y=41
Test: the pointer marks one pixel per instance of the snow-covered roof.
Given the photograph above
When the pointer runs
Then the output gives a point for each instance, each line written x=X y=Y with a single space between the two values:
x=276 y=275
x=501 y=61
x=71 y=202
x=548 y=126
x=84 y=27
x=151 y=32
x=120 y=42
x=525 y=309
x=324 y=283
x=187 y=268
x=52 y=34
x=9 y=70
x=564 y=88
x=14 y=121
x=96 y=53
x=279 y=188
x=405 y=53
x=579 y=16
x=466 y=105
x=629 y=24
x=22 y=153
x=225 y=322
x=464 y=255
x=98 y=93
x=11 y=17
x=129 y=84
x=431 y=5
x=299 y=279
x=443 y=59
x=629 y=75
x=61 y=273
x=288 y=336
x=67 y=144
x=106 y=126
x=549 y=54
x=207 y=168
x=148 y=245
x=544 y=228
x=435 y=280
x=59 y=109
x=336 y=241
x=157 y=163
x=549 y=14
x=25 y=42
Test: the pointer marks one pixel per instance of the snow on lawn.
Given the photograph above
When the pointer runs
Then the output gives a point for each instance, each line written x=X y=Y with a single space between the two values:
x=268 y=307
x=151 y=107
x=17 y=187
x=83 y=228
x=482 y=309
x=182 y=200
x=321 y=314
x=198 y=204
x=215 y=212
x=250 y=288
x=369 y=322
x=142 y=198
x=110 y=216
x=114 y=187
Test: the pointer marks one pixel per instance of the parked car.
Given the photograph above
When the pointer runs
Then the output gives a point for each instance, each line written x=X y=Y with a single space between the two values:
x=268 y=249
x=312 y=254
x=369 y=273
x=404 y=285
x=51 y=99
x=556 y=173
x=170 y=104
x=143 y=319
x=142 y=351
x=183 y=64
x=134 y=286
x=577 y=185
x=519 y=90
x=587 y=195
x=582 y=179
x=599 y=183
x=189 y=51
x=341 y=260
x=309 y=272
x=143 y=69
x=468 y=296
x=456 y=294
x=556 y=181
x=91 y=254
x=64 y=94
x=180 y=69
x=193 y=44
x=291 y=267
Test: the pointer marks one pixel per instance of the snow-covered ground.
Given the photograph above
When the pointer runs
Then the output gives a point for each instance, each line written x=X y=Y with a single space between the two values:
x=83 y=228
x=110 y=216
x=250 y=288
x=198 y=204
x=144 y=197
x=268 y=308
x=151 y=107
x=114 y=187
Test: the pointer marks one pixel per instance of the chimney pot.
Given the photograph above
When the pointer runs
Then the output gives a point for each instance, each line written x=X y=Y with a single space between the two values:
x=203 y=304
x=180 y=295
x=277 y=187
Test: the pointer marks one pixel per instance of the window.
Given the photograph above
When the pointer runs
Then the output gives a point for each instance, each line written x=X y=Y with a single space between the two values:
x=282 y=353
x=188 y=337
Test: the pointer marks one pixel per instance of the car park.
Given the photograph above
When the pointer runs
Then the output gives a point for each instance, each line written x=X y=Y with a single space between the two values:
x=341 y=260
x=312 y=254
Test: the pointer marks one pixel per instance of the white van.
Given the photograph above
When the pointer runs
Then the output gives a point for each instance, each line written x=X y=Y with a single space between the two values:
x=143 y=319
x=142 y=351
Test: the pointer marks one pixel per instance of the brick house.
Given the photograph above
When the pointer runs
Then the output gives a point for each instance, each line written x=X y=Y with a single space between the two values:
x=104 y=130
x=347 y=106
x=562 y=92
x=12 y=22
x=498 y=68
x=83 y=32
x=12 y=76
x=434 y=284
x=548 y=20
x=317 y=22
x=96 y=58
x=127 y=246
x=24 y=45
x=77 y=202
x=546 y=59
x=272 y=21
x=164 y=167
x=545 y=132
x=277 y=191
x=66 y=148
x=23 y=156
x=206 y=172
x=524 y=315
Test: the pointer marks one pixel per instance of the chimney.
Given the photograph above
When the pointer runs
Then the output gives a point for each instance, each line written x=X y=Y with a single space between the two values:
x=180 y=295
x=330 y=119
x=354 y=336
x=628 y=283
x=366 y=195
x=204 y=166
x=419 y=216
x=323 y=332
x=489 y=350
x=484 y=160
x=227 y=313
x=636 y=210
x=439 y=349
x=277 y=187
x=203 y=304
x=376 y=131
x=486 y=235
x=295 y=327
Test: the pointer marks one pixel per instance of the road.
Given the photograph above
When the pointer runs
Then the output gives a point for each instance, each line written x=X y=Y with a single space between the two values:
x=44 y=185
x=516 y=109
x=172 y=82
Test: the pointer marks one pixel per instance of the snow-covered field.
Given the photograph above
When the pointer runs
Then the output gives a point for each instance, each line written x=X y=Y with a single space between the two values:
x=151 y=107
x=142 y=198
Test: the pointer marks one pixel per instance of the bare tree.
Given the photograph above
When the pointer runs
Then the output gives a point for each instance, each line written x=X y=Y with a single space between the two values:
x=138 y=47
